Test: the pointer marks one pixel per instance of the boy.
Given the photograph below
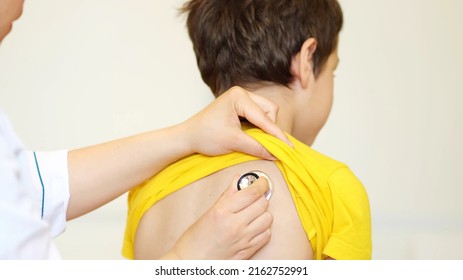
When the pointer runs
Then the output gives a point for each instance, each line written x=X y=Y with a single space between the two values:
x=286 y=51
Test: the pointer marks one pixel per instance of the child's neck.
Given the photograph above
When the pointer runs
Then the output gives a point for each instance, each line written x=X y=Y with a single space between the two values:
x=281 y=96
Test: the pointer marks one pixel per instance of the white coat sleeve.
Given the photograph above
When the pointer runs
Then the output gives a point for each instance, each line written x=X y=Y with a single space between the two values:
x=51 y=186
x=23 y=234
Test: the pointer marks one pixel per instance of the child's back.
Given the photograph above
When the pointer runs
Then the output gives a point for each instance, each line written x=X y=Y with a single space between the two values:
x=320 y=209
x=285 y=51
x=156 y=236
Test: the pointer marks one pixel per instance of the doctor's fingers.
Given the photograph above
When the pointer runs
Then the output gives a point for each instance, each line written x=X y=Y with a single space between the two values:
x=257 y=234
x=248 y=145
x=260 y=112
x=255 y=211
x=259 y=225
x=237 y=201
x=253 y=245
x=260 y=240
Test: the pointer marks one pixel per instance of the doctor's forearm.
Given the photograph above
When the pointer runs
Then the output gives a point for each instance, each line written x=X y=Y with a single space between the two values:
x=101 y=173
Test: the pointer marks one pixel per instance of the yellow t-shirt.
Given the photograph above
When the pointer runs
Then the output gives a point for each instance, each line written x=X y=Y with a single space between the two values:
x=331 y=202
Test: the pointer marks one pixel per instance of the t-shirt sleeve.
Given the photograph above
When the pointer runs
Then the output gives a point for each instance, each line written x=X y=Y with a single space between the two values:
x=351 y=234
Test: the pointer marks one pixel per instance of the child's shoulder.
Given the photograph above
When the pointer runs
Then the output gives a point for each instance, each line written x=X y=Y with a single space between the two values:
x=336 y=172
x=301 y=154
x=324 y=163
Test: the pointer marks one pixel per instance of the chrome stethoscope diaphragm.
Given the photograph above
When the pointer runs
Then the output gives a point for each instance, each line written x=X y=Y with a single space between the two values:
x=249 y=178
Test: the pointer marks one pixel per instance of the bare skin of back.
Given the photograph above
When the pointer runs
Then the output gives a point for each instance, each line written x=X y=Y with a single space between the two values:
x=165 y=221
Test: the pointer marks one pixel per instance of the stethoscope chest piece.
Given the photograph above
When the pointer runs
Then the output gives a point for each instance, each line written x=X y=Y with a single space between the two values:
x=249 y=178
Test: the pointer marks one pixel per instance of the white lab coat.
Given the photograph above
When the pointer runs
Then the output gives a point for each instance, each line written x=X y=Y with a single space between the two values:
x=30 y=215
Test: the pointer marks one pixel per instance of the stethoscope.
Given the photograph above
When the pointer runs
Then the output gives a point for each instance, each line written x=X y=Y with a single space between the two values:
x=249 y=178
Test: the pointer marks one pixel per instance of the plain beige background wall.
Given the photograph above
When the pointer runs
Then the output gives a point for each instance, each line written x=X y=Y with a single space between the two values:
x=75 y=73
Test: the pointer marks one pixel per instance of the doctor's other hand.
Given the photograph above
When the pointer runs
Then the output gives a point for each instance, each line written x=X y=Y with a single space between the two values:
x=236 y=227
x=217 y=130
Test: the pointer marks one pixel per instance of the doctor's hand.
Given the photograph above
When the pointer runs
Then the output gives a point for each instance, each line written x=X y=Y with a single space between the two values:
x=236 y=227
x=217 y=130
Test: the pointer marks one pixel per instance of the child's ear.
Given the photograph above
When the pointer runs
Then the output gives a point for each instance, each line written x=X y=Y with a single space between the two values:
x=302 y=64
